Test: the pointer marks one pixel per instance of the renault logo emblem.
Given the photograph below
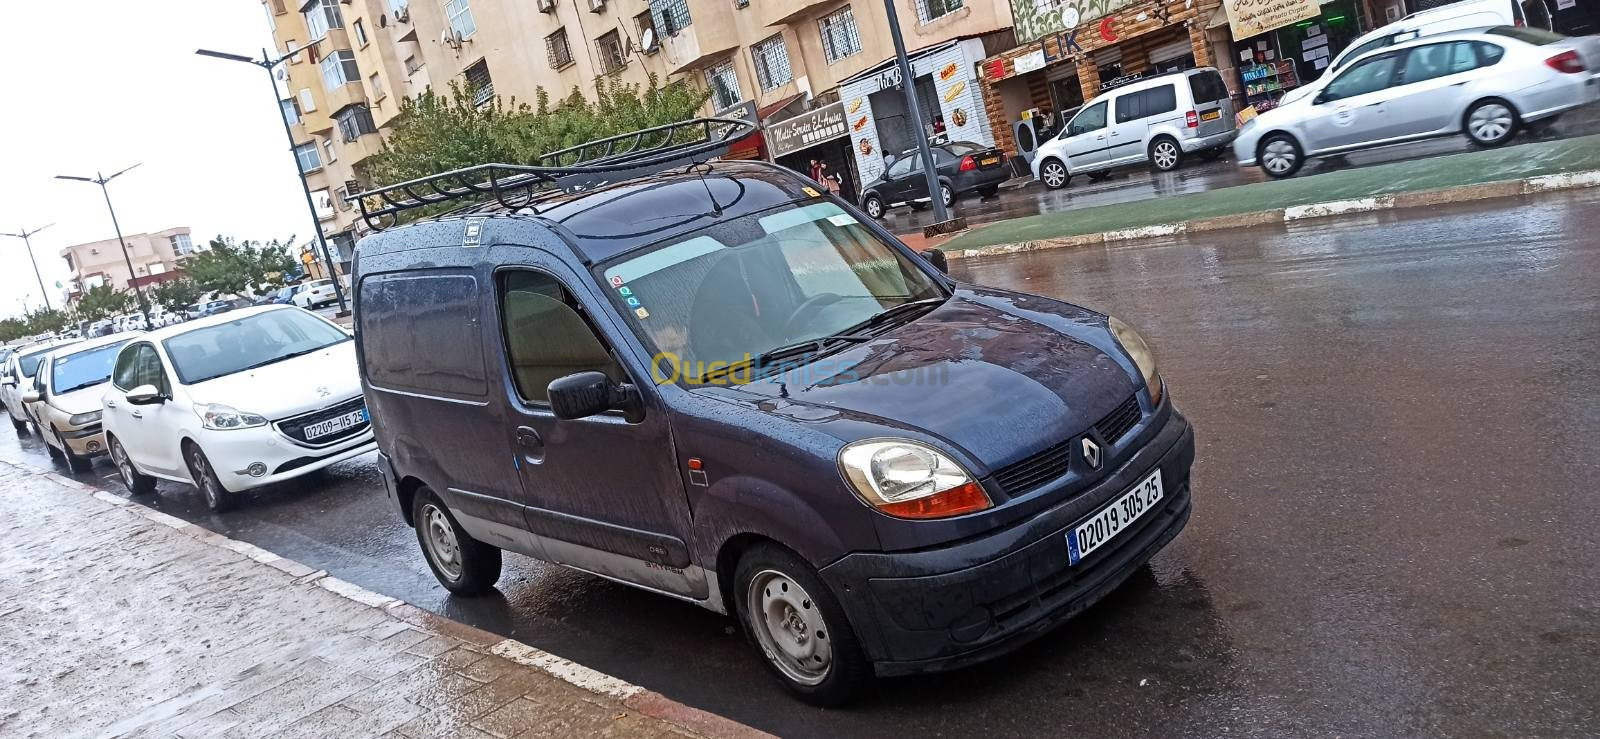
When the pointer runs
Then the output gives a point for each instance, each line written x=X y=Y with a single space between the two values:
x=1092 y=453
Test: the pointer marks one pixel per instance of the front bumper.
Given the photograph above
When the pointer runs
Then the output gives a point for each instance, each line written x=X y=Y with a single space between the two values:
x=232 y=453
x=934 y=610
x=87 y=441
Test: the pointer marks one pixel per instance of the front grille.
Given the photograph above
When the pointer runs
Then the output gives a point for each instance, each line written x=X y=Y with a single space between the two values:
x=1119 y=421
x=1021 y=478
x=294 y=428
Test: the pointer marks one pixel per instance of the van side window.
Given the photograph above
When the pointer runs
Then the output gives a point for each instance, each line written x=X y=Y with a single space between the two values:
x=547 y=336
x=1092 y=118
x=419 y=332
x=1376 y=43
x=123 y=373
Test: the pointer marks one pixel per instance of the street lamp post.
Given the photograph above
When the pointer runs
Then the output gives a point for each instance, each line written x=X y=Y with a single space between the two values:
x=24 y=234
x=133 y=278
x=914 y=112
x=267 y=63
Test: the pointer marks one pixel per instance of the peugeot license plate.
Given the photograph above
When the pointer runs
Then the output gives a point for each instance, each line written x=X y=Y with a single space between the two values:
x=1113 y=519
x=336 y=424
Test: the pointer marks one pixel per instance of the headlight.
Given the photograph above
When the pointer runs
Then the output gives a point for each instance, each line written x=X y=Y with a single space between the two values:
x=1142 y=355
x=82 y=419
x=218 y=417
x=905 y=479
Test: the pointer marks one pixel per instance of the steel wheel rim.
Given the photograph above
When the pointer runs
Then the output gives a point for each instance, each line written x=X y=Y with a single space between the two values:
x=1166 y=155
x=1054 y=174
x=124 y=465
x=789 y=627
x=1489 y=122
x=1279 y=156
x=444 y=550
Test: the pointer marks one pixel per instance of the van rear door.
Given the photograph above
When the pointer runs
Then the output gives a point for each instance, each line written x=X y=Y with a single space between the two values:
x=1211 y=102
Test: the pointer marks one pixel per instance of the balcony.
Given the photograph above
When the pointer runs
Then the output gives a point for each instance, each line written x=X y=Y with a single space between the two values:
x=780 y=13
x=361 y=147
x=710 y=35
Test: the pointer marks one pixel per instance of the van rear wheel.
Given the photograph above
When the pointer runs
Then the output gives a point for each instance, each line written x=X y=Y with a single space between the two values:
x=1165 y=154
x=464 y=565
x=799 y=627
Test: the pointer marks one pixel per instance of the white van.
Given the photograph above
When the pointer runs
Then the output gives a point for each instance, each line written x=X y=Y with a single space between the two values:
x=1159 y=120
x=1457 y=16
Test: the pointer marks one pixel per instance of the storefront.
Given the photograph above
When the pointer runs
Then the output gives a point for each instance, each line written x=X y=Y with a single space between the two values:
x=1277 y=53
x=1075 y=50
x=947 y=94
x=821 y=135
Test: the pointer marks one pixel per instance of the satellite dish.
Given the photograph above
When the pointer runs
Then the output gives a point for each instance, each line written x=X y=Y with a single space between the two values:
x=647 y=40
x=1069 y=18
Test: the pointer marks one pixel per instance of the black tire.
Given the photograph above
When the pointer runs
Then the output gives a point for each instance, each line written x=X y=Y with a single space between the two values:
x=1101 y=176
x=74 y=462
x=1054 y=174
x=816 y=625
x=138 y=483
x=874 y=206
x=474 y=567
x=52 y=450
x=946 y=194
x=1491 y=122
x=918 y=206
x=1289 y=157
x=989 y=192
x=1166 y=154
x=20 y=426
x=218 y=499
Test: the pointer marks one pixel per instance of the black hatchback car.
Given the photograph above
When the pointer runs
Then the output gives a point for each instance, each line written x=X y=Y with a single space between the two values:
x=719 y=384
x=964 y=167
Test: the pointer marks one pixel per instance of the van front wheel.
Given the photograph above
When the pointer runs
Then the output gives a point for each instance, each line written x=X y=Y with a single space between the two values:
x=799 y=627
x=464 y=565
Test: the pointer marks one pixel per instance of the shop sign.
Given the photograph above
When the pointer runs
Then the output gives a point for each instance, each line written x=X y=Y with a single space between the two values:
x=888 y=79
x=1248 y=18
x=1034 y=19
x=1029 y=62
x=807 y=129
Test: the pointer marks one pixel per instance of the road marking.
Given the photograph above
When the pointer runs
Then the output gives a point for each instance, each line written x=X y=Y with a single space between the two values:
x=565 y=669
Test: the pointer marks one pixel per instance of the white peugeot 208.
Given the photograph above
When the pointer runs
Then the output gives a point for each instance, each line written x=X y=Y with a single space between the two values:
x=235 y=401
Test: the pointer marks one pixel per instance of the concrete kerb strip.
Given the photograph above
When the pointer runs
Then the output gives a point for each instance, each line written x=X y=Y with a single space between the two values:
x=1419 y=198
x=644 y=702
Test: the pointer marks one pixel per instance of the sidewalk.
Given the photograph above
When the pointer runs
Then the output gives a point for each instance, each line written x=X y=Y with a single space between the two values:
x=1451 y=171
x=117 y=620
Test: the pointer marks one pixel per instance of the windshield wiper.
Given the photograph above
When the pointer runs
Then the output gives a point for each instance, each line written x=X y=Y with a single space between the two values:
x=769 y=357
x=895 y=311
x=79 y=386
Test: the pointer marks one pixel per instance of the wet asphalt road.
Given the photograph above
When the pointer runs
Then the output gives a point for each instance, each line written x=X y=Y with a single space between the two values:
x=1143 y=183
x=1395 y=519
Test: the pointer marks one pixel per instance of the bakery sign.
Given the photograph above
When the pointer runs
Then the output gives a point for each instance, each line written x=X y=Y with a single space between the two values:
x=1248 y=18
x=1035 y=19
x=807 y=129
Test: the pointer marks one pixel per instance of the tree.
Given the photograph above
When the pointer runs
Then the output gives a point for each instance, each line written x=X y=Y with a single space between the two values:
x=435 y=133
x=12 y=329
x=103 y=301
x=176 y=295
x=45 y=321
x=232 y=267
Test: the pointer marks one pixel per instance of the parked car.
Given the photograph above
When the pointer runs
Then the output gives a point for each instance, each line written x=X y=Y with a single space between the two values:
x=281 y=296
x=315 y=294
x=16 y=379
x=102 y=327
x=235 y=401
x=129 y=322
x=1484 y=84
x=65 y=402
x=220 y=306
x=768 y=406
x=964 y=167
x=1157 y=120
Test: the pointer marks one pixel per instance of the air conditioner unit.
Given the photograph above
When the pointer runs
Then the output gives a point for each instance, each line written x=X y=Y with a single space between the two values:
x=402 y=15
x=547 y=6
x=596 y=6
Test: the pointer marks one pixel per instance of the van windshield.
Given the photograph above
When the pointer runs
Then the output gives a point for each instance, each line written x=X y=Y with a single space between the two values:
x=83 y=369
x=246 y=343
x=763 y=281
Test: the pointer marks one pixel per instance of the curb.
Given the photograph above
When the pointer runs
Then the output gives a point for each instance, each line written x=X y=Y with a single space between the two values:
x=638 y=699
x=1415 y=199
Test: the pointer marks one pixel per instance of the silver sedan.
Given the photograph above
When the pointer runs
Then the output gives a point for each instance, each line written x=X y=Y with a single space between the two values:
x=1485 y=83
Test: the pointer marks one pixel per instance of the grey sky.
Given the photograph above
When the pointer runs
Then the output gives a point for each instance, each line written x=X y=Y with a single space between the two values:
x=102 y=84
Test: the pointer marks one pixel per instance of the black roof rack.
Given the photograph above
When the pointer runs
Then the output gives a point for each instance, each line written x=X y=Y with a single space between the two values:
x=569 y=170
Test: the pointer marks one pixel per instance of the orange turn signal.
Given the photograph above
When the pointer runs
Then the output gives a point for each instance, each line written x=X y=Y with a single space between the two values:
x=953 y=502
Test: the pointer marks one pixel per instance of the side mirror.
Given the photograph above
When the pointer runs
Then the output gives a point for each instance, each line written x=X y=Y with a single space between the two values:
x=145 y=395
x=938 y=260
x=1322 y=97
x=584 y=394
x=32 y=396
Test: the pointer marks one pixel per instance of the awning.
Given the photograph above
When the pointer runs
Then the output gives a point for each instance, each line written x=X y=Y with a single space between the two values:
x=772 y=109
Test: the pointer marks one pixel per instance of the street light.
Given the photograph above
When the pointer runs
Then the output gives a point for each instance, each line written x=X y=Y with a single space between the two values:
x=267 y=63
x=133 y=279
x=24 y=234
x=909 y=86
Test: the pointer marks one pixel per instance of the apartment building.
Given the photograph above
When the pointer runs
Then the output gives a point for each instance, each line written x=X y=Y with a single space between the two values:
x=156 y=257
x=775 y=60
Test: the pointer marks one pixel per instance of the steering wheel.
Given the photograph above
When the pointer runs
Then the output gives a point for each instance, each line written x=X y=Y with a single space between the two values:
x=804 y=310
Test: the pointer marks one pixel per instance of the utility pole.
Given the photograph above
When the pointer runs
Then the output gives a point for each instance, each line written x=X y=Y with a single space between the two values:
x=267 y=63
x=908 y=85
x=133 y=278
x=24 y=234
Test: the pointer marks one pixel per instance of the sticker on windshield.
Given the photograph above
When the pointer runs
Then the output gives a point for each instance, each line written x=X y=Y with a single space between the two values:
x=616 y=280
x=641 y=313
x=624 y=291
x=807 y=189
x=842 y=220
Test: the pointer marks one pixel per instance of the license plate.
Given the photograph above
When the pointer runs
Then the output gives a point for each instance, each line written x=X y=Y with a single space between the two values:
x=1111 y=520
x=986 y=161
x=335 y=425
x=1210 y=115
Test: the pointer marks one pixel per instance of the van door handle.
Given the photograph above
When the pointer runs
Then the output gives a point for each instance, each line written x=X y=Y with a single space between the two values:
x=532 y=444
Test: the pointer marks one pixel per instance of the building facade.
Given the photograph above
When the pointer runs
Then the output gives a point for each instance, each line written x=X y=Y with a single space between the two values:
x=780 y=59
x=156 y=257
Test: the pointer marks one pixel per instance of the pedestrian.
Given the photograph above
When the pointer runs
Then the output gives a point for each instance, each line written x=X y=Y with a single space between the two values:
x=817 y=170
